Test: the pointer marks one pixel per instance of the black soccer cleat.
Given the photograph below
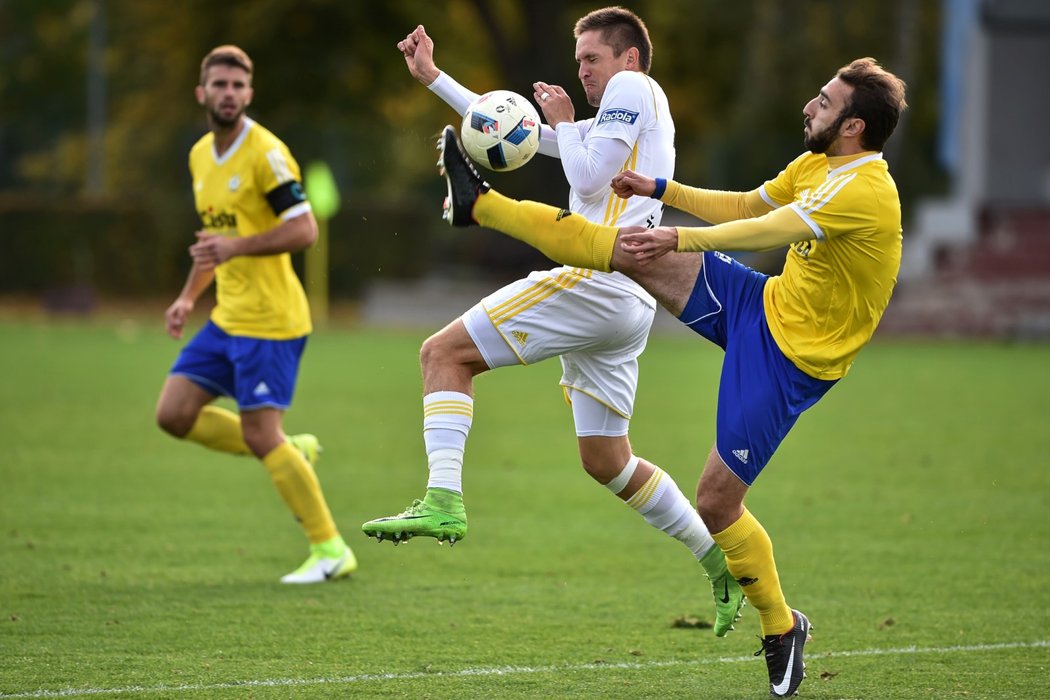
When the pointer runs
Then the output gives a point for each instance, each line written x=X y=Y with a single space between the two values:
x=464 y=182
x=784 y=657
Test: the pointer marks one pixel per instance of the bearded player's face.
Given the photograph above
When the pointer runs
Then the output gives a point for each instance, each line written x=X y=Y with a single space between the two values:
x=824 y=116
x=226 y=93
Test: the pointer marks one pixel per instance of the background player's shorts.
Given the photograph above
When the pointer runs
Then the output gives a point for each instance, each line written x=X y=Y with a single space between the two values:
x=597 y=328
x=761 y=393
x=255 y=372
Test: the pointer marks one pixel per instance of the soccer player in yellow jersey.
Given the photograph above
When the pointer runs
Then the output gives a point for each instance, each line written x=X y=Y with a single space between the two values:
x=248 y=193
x=787 y=338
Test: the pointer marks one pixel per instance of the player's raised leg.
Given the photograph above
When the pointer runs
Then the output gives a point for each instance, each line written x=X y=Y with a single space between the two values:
x=559 y=234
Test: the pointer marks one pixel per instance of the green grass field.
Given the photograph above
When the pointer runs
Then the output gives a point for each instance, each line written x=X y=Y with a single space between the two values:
x=909 y=512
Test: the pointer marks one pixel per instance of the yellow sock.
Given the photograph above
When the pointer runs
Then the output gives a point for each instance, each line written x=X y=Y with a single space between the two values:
x=298 y=485
x=219 y=429
x=559 y=234
x=749 y=556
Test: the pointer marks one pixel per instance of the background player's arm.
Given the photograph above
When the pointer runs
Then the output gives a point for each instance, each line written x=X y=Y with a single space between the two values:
x=778 y=228
x=197 y=281
x=289 y=236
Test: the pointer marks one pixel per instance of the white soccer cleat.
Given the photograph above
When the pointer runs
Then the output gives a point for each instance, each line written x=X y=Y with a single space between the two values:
x=318 y=569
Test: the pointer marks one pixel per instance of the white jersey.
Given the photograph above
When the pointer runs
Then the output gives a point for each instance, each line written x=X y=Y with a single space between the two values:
x=633 y=110
x=596 y=322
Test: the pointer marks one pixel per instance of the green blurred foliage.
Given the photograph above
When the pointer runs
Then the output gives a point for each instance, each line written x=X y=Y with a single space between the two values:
x=331 y=83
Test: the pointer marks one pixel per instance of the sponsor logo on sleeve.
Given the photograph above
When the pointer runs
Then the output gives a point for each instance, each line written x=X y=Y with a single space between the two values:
x=616 y=114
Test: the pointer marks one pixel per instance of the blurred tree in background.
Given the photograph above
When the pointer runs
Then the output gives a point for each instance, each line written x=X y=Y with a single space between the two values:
x=97 y=116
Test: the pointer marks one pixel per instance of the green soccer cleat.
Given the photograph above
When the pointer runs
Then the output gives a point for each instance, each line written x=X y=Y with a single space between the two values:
x=308 y=445
x=439 y=515
x=729 y=598
x=328 y=561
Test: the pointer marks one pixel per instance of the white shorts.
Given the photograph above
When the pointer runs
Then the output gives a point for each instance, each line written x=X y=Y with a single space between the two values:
x=598 y=329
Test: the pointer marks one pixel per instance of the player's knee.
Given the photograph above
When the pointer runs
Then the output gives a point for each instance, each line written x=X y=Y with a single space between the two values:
x=259 y=440
x=173 y=421
x=440 y=350
x=707 y=507
x=430 y=351
x=603 y=458
x=596 y=470
x=718 y=511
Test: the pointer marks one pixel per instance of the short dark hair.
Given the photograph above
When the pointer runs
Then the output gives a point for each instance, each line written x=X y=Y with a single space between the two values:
x=226 y=55
x=878 y=99
x=621 y=29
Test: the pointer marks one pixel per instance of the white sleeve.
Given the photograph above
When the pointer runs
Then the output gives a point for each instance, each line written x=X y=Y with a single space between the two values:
x=549 y=137
x=457 y=96
x=589 y=169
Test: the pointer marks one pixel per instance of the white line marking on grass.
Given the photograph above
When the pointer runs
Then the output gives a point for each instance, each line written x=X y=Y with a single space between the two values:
x=497 y=671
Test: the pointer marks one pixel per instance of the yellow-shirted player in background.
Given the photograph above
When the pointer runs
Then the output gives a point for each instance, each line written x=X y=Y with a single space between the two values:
x=248 y=193
x=787 y=338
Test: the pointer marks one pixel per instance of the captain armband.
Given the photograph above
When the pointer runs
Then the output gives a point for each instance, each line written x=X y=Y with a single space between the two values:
x=285 y=196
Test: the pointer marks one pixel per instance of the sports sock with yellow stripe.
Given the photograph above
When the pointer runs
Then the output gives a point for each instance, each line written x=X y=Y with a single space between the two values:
x=663 y=505
x=447 y=417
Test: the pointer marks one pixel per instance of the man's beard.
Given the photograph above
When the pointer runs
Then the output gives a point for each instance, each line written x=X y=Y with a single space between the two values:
x=224 y=122
x=821 y=141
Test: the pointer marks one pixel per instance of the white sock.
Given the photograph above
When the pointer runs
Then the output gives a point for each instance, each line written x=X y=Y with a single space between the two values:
x=447 y=416
x=665 y=507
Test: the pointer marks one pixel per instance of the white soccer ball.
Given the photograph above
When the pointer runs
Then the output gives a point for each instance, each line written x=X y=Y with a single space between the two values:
x=501 y=130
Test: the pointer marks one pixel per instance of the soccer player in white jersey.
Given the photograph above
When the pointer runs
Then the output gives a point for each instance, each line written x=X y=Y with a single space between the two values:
x=596 y=322
x=788 y=338
x=249 y=195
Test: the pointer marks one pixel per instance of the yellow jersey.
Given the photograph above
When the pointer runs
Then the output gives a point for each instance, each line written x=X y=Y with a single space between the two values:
x=824 y=307
x=248 y=190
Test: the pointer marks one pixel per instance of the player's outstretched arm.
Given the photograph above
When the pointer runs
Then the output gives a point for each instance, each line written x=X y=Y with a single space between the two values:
x=776 y=229
x=713 y=206
x=418 y=49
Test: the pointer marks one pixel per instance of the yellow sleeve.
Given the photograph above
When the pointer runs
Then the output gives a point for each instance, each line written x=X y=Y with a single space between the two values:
x=778 y=228
x=715 y=206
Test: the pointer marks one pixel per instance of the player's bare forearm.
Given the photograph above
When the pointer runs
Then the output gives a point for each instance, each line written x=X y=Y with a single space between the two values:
x=197 y=281
x=175 y=316
x=289 y=236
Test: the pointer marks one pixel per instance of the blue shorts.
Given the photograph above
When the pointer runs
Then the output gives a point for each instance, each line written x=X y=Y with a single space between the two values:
x=255 y=372
x=761 y=393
